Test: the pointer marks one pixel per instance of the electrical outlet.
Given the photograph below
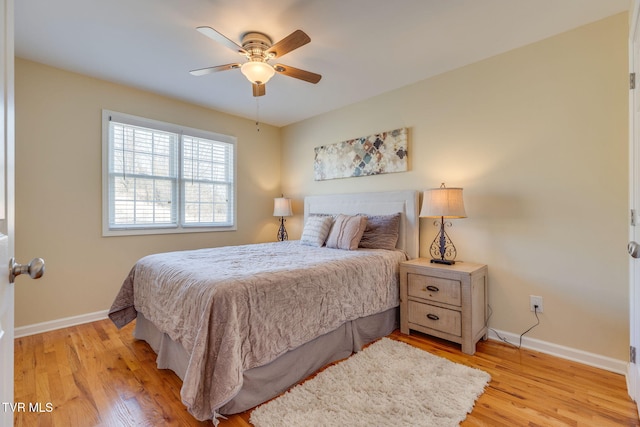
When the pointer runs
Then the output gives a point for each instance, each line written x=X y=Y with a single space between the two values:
x=535 y=300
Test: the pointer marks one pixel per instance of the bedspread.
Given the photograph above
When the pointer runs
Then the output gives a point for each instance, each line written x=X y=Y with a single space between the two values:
x=236 y=308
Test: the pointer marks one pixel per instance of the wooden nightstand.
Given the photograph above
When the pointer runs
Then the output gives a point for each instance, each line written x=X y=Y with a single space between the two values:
x=446 y=301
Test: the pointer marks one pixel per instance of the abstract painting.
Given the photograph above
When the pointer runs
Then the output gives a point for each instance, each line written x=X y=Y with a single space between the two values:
x=384 y=152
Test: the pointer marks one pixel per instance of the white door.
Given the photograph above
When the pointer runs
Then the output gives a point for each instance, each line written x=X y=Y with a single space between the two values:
x=6 y=210
x=633 y=376
x=8 y=269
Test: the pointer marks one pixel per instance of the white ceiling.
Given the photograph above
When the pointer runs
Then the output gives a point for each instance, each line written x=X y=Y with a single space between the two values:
x=361 y=47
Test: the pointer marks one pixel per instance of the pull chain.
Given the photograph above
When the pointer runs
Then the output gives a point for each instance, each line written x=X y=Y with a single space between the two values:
x=257 y=114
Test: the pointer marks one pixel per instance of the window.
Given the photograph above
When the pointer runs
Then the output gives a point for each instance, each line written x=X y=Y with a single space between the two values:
x=163 y=178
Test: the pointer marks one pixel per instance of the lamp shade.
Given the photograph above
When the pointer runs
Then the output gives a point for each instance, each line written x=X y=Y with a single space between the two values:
x=443 y=202
x=282 y=206
x=257 y=72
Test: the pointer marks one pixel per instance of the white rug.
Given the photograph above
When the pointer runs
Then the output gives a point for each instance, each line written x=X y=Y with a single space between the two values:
x=390 y=383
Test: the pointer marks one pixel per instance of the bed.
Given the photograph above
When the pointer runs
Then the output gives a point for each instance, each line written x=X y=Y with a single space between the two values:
x=277 y=312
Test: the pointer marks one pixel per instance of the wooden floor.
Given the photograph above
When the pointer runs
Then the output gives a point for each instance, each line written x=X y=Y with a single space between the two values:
x=95 y=375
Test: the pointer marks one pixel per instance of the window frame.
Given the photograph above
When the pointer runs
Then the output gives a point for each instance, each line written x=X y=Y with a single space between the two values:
x=180 y=226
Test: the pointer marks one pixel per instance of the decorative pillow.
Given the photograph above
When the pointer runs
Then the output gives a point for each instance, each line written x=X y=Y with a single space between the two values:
x=382 y=232
x=316 y=230
x=346 y=232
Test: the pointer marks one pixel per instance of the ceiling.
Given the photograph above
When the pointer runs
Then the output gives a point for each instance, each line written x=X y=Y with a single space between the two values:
x=360 y=47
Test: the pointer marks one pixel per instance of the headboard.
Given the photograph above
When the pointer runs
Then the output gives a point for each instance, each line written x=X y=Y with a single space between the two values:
x=377 y=203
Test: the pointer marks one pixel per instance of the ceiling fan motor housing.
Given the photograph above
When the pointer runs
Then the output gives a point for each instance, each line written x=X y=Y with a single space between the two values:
x=256 y=45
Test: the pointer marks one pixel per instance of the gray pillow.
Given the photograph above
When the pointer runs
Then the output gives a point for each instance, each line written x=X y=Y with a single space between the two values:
x=382 y=232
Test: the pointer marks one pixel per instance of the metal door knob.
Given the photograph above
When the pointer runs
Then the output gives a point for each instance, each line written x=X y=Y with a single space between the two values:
x=35 y=269
x=634 y=249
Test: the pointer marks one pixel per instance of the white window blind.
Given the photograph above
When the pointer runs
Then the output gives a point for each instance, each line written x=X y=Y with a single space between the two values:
x=143 y=177
x=207 y=181
x=164 y=178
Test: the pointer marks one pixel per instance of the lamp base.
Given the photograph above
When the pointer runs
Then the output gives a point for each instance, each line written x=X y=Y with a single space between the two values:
x=442 y=249
x=443 y=261
x=282 y=232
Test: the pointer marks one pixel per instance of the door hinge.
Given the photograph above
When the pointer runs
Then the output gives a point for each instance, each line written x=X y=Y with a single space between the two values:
x=633 y=217
x=632 y=354
x=632 y=80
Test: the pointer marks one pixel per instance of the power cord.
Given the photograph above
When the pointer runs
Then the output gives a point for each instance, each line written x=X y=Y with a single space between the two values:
x=535 y=312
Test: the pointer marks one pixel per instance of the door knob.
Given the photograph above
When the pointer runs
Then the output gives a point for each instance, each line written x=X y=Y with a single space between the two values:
x=634 y=249
x=35 y=269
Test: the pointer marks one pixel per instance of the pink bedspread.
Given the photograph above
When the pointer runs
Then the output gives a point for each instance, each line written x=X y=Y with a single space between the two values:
x=236 y=308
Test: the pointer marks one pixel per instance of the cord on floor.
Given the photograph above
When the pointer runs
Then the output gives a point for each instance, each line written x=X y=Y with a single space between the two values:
x=535 y=312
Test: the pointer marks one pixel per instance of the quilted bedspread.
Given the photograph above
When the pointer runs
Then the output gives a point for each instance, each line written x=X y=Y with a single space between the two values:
x=240 y=307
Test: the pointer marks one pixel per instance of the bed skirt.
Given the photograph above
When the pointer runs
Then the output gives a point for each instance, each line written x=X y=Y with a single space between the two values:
x=265 y=382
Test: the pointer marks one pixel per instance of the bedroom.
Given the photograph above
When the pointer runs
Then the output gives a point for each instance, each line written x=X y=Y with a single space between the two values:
x=537 y=136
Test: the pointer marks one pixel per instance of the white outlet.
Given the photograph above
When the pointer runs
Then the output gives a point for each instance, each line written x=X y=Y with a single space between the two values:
x=535 y=300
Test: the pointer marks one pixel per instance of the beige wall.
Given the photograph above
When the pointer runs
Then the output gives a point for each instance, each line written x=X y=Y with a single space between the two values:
x=537 y=137
x=59 y=184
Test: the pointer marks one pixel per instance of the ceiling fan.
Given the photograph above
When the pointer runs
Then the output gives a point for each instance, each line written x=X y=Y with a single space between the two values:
x=259 y=50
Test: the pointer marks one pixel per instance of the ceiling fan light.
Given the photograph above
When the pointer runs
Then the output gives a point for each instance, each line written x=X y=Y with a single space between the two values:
x=257 y=72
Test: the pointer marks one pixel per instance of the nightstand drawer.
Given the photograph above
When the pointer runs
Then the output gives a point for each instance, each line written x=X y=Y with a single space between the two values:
x=434 y=288
x=440 y=319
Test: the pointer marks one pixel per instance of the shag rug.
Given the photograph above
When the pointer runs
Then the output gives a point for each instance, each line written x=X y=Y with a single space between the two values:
x=389 y=383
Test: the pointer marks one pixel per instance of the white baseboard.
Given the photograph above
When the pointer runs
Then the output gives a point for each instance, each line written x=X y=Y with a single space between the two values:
x=23 y=331
x=591 y=359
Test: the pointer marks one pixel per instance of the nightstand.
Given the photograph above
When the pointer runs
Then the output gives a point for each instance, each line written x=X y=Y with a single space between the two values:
x=446 y=301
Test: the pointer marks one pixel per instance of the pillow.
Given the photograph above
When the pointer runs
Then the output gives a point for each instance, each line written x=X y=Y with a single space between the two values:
x=346 y=232
x=382 y=232
x=316 y=230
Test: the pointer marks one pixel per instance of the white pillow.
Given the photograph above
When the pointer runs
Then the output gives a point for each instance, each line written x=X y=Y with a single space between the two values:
x=316 y=230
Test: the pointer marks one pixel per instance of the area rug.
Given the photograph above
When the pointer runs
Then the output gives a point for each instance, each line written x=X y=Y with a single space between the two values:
x=388 y=383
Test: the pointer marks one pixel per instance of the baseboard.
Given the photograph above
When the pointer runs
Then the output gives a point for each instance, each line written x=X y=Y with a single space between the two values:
x=37 y=328
x=584 y=357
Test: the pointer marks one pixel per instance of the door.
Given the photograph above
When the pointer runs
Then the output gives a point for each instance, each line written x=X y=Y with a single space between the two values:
x=633 y=376
x=8 y=268
x=6 y=210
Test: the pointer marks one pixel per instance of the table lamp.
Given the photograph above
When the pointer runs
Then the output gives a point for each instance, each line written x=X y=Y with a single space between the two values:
x=282 y=208
x=443 y=203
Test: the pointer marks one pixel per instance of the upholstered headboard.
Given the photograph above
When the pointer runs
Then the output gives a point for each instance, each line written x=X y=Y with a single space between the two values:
x=377 y=203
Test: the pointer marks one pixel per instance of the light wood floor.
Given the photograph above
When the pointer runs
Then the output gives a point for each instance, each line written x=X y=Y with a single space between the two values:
x=95 y=375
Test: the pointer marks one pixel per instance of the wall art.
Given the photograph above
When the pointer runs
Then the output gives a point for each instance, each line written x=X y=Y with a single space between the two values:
x=384 y=152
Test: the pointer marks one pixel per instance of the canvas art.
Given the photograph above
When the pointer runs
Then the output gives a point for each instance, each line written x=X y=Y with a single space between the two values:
x=384 y=152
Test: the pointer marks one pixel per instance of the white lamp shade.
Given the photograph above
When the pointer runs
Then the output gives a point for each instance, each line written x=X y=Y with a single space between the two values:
x=282 y=207
x=443 y=202
x=257 y=72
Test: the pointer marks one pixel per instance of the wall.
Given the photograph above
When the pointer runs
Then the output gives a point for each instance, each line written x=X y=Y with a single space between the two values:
x=537 y=137
x=59 y=184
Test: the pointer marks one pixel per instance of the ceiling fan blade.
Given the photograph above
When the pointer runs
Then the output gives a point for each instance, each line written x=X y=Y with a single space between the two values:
x=297 y=73
x=221 y=38
x=259 y=90
x=209 y=70
x=292 y=41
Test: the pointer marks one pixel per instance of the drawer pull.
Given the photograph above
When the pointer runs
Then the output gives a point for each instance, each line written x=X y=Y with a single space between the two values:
x=432 y=288
x=433 y=316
